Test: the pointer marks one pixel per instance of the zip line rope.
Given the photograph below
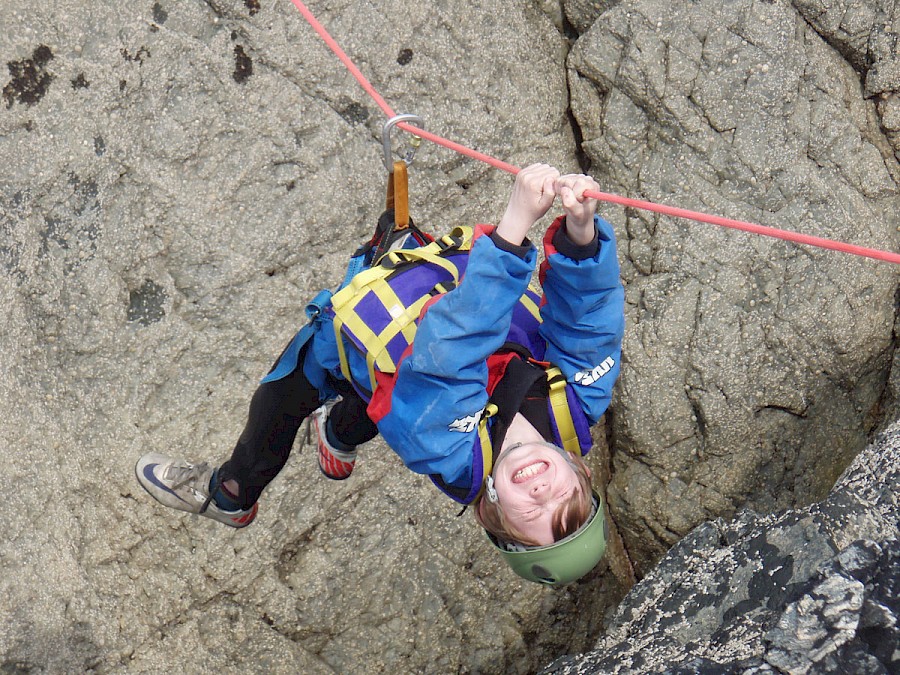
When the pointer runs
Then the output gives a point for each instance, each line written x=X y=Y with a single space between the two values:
x=674 y=211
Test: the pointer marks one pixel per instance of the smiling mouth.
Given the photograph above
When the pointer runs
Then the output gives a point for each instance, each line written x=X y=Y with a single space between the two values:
x=529 y=472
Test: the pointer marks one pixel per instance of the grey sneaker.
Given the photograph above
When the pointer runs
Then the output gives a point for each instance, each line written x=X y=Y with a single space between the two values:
x=181 y=485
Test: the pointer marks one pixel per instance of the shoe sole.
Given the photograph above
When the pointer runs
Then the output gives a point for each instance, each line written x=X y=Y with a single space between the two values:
x=328 y=475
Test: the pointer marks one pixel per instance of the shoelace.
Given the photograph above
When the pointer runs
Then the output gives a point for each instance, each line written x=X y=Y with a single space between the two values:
x=182 y=474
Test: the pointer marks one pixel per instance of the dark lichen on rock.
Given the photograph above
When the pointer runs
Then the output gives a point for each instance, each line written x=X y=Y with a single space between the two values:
x=243 y=65
x=30 y=79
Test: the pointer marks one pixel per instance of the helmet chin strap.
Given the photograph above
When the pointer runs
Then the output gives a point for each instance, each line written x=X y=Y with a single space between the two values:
x=491 y=491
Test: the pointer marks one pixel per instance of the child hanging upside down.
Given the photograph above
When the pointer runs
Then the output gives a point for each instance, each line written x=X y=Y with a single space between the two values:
x=490 y=391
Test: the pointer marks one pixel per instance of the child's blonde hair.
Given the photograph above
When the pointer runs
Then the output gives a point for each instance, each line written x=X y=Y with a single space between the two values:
x=569 y=516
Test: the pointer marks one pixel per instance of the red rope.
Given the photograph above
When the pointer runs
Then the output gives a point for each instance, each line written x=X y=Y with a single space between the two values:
x=795 y=237
x=674 y=211
x=461 y=149
x=336 y=48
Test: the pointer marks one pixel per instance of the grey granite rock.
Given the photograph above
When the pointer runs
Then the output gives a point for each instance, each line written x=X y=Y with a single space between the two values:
x=754 y=370
x=581 y=14
x=177 y=179
x=803 y=591
x=867 y=34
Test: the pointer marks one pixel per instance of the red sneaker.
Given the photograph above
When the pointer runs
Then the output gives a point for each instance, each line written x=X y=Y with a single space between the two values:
x=335 y=464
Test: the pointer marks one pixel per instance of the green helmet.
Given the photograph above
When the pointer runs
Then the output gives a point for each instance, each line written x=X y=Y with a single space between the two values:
x=563 y=561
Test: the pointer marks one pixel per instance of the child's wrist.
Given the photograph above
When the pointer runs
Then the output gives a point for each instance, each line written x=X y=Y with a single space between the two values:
x=513 y=227
x=573 y=247
x=580 y=233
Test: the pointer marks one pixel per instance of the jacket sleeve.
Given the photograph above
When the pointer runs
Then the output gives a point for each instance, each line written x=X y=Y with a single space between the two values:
x=583 y=316
x=440 y=388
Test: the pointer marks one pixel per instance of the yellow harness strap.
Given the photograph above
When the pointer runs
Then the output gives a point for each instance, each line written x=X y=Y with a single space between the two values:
x=530 y=304
x=374 y=281
x=484 y=438
x=561 y=413
x=421 y=254
x=403 y=320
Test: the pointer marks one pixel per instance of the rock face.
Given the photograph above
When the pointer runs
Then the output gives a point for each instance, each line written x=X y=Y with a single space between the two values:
x=754 y=369
x=802 y=591
x=177 y=179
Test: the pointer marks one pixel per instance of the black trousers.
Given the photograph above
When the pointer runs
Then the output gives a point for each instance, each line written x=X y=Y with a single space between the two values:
x=277 y=410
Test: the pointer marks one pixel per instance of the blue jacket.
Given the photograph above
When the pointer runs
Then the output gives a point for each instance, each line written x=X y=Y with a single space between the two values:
x=440 y=389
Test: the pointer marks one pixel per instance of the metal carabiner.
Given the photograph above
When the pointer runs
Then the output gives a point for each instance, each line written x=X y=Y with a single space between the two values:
x=406 y=154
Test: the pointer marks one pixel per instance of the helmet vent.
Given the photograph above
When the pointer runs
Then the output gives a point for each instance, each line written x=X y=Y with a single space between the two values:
x=543 y=574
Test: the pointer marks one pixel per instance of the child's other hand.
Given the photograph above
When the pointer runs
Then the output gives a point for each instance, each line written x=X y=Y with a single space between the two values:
x=532 y=196
x=579 y=209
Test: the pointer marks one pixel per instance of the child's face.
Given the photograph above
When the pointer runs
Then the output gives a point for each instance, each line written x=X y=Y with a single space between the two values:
x=531 y=481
